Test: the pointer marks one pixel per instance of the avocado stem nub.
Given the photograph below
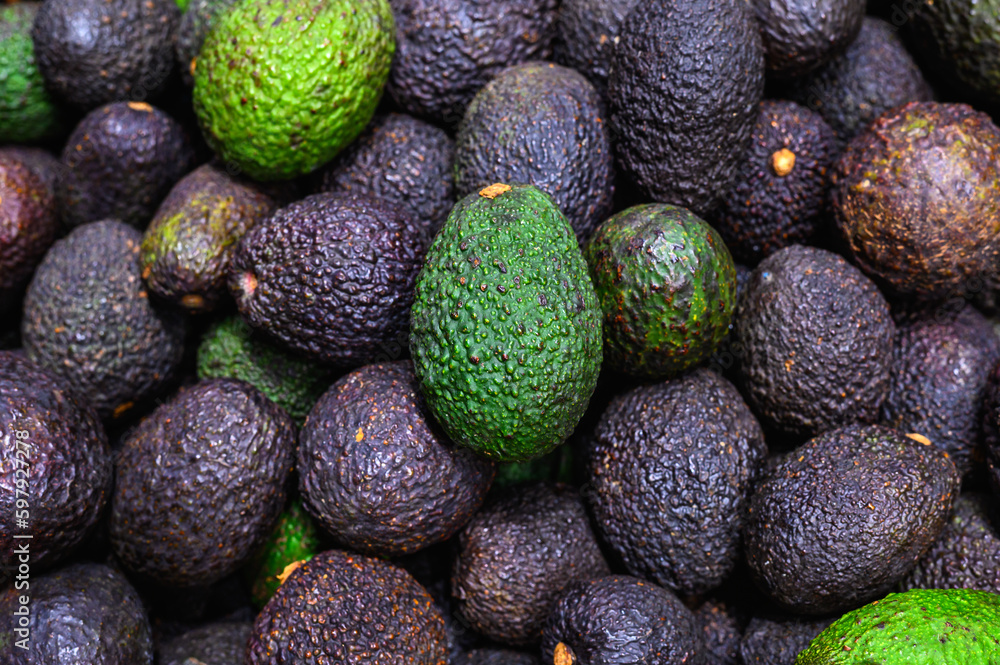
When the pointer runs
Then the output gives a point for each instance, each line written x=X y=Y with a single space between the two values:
x=494 y=190
x=783 y=161
x=249 y=284
x=563 y=655
x=919 y=438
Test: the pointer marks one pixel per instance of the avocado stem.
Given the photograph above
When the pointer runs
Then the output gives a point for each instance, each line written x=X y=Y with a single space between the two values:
x=782 y=162
x=563 y=655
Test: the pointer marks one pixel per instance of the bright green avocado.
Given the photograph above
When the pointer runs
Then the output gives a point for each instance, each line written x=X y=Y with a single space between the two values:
x=919 y=627
x=505 y=328
x=281 y=86
x=27 y=113
x=294 y=538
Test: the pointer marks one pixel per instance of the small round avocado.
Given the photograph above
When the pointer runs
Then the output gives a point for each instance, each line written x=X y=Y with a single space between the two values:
x=220 y=643
x=801 y=35
x=778 y=640
x=27 y=111
x=667 y=288
x=296 y=537
x=917 y=198
x=585 y=37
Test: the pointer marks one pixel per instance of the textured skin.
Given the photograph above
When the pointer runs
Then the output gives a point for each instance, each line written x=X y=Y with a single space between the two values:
x=82 y=614
x=721 y=633
x=29 y=224
x=839 y=521
x=967 y=554
x=295 y=537
x=68 y=464
x=517 y=557
x=801 y=35
x=200 y=483
x=686 y=79
x=671 y=468
x=187 y=248
x=223 y=643
x=93 y=52
x=544 y=125
x=230 y=348
x=121 y=160
x=621 y=620
x=505 y=329
x=778 y=641
x=377 y=473
x=764 y=211
x=277 y=126
x=875 y=74
x=44 y=164
x=667 y=288
x=196 y=22
x=88 y=318
x=940 y=371
x=917 y=198
x=497 y=657
x=585 y=36
x=919 y=627
x=401 y=159
x=341 y=607
x=331 y=276
x=991 y=427
x=816 y=337
x=448 y=49
x=27 y=112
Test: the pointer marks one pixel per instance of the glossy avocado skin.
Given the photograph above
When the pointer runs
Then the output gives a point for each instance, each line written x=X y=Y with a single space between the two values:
x=540 y=124
x=222 y=643
x=339 y=603
x=801 y=35
x=843 y=518
x=778 y=640
x=681 y=119
x=585 y=37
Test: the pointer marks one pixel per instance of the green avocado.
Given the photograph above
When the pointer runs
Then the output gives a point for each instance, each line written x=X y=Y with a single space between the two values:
x=27 y=112
x=294 y=538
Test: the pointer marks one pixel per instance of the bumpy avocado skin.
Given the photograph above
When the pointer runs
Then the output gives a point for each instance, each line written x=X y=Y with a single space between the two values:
x=585 y=37
x=221 y=643
x=720 y=631
x=671 y=469
x=198 y=19
x=540 y=124
x=518 y=555
x=296 y=537
x=681 y=118
x=331 y=276
x=187 y=248
x=401 y=159
x=922 y=626
x=205 y=469
x=816 y=340
x=65 y=454
x=448 y=49
x=27 y=111
x=768 y=207
x=622 y=619
x=843 y=518
x=667 y=288
x=801 y=35
x=376 y=471
x=276 y=126
x=89 y=319
x=505 y=328
x=84 y=613
x=917 y=198
x=991 y=427
x=339 y=606
x=778 y=640
x=121 y=160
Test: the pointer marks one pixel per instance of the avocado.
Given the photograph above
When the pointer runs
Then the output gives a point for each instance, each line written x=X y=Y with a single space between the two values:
x=815 y=338
x=778 y=640
x=941 y=366
x=42 y=162
x=556 y=466
x=121 y=160
x=801 y=35
x=915 y=197
x=720 y=631
x=347 y=607
x=57 y=456
x=685 y=82
x=219 y=643
x=200 y=483
x=230 y=348
x=505 y=329
x=667 y=289
x=518 y=555
x=274 y=126
x=377 y=473
x=671 y=468
x=497 y=657
x=197 y=20
x=296 y=537
x=780 y=195
x=27 y=111
x=585 y=37
x=967 y=553
x=331 y=276
x=401 y=159
x=621 y=619
x=991 y=427
x=875 y=73
x=80 y=613
x=29 y=224
x=88 y=319
x=93 y=52
x=540 y=124
x=187 y=247
x=919 y=627
x=448 y=49
x=844 y=517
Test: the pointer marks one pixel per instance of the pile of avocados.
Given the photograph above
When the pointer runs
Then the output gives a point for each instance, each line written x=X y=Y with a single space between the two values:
x=500 y=332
